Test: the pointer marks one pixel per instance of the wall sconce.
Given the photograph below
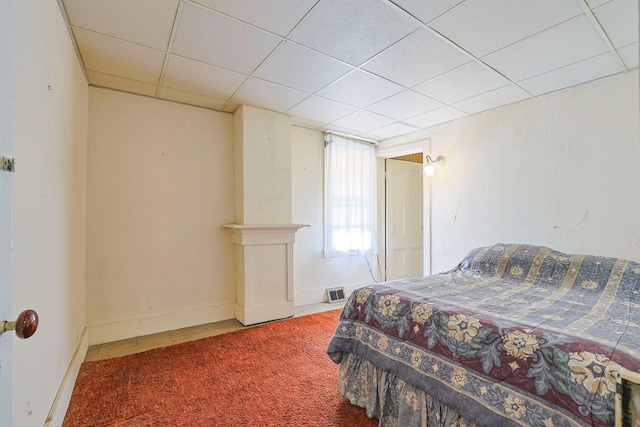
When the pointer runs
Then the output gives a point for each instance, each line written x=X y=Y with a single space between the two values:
x=430 y=164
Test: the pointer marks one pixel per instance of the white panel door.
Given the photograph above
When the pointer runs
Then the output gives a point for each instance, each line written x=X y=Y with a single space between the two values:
x=5 y=294
x=404 y=237
x=7 y=63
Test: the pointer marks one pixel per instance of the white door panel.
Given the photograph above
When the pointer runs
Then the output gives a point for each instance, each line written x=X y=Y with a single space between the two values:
x=7 y=53
x=5 y=296
x=404 y=219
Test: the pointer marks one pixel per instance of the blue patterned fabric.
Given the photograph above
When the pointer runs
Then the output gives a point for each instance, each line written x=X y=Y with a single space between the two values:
x=391 y=400
x=515 y=335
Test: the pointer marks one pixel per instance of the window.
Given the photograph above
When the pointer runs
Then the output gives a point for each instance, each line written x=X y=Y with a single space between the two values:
x=350 y=220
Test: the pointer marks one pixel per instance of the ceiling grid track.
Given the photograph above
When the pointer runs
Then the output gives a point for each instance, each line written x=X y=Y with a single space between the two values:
x=456 y=46
x=285 y=39
x=167 y=54
x=226 y=104
x=244 y=83
x=376 y=68
x=603 y=35
x=65 y=17
x=354 y=68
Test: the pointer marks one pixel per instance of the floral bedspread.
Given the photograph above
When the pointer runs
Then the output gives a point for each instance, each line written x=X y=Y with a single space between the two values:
x=514 y=335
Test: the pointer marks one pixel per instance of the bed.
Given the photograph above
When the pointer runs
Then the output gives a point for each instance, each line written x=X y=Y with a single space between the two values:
x=514 y=335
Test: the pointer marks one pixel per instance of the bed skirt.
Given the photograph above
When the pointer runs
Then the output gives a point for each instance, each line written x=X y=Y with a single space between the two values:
x=391 y=400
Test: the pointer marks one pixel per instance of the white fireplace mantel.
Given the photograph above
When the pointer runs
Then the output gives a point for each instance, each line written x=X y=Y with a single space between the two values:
x=264 y=261
x=258 y=234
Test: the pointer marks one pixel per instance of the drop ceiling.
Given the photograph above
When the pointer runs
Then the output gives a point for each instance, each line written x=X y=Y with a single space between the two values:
x=372 y=68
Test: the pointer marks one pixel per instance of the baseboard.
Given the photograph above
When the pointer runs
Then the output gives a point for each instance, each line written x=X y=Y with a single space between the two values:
x=125 y=329
x=63 y=396
x=264 y=313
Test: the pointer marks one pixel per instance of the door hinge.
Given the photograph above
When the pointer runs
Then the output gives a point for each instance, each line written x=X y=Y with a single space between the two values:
x=7 y=164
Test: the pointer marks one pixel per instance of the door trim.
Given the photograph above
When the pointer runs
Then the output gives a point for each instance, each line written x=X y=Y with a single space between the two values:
x=421 y=146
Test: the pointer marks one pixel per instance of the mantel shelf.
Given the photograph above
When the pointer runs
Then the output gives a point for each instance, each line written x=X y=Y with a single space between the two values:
x=257 y=234
x=268 y=227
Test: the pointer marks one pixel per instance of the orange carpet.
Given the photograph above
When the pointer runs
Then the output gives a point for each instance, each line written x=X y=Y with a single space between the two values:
x=276 y=374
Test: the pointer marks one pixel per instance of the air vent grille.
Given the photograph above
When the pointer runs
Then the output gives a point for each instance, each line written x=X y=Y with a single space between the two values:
x=335 y=295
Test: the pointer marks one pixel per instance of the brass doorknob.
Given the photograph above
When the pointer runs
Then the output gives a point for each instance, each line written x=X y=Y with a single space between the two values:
x=25 y=325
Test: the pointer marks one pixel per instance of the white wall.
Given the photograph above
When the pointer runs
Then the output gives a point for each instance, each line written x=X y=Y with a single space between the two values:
x=312 y=272
x=49 y=199
x=560 y=170
x=160 y=185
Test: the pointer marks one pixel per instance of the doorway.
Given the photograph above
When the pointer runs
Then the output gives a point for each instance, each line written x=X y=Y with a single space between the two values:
x=404 y=235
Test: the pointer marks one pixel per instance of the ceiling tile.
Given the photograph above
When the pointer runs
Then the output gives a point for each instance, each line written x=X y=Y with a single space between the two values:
x=392 y=130
x=205 y=35
x=321 y=109
x=367 y=137
x=305 y=123
x=619 y=19
x=120 y=83
x=463 y=82
x=428 y=10
x=360 y=89
x=404 y=104
x=198 y=77
x=352 y=31
x=561 y=45
x=190 y=98
x=481 y=27
x=489 y=100
x=416 y=58
x=334 y=128
x=277 y=16
x=146 y=22
x=406 y=72
x=441 y=115
x=113 y=56
x=629 y=55
x=576 y=73
x=301 y=68
x=363 y=121
x=272 y=96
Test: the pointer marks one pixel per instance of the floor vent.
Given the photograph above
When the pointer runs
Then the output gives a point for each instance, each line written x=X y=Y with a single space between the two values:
x=335 y=295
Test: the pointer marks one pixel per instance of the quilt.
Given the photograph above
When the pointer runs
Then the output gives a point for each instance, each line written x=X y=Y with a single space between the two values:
x=514 y=335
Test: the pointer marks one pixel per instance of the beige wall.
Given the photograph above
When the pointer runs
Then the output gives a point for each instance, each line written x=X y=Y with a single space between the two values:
x=262 y=143
x=160 y=185
x=560 y=170
x=49 y=200
x=312 y=272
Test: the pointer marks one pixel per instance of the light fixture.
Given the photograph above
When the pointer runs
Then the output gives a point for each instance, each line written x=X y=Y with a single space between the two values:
x=430 y=164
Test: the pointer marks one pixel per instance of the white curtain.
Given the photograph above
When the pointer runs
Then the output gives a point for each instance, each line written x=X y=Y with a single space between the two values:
x=350 y=214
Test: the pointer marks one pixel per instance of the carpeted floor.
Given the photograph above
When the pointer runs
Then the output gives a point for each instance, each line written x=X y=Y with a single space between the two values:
x=276 y=374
